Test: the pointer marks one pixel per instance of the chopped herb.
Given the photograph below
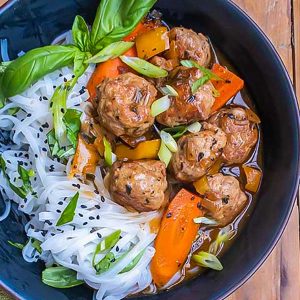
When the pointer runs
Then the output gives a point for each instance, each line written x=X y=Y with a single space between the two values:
x=16 y=245
x=69 y=212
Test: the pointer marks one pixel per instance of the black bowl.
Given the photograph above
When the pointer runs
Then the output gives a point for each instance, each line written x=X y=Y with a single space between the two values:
x=31 y=23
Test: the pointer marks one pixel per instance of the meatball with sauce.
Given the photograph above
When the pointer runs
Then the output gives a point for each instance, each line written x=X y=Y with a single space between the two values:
x=197 y=152
x=224 y=199
x=186 y=107
x=188 y=44
x=125 y=103
x=241 y=131
x=140 y=184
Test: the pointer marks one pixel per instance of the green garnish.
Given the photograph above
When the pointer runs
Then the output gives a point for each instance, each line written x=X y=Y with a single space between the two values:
x=207 y=260
x=69 y=212
x=160 y=105
x=224 y=235
x=16 y=245
x=109 y=156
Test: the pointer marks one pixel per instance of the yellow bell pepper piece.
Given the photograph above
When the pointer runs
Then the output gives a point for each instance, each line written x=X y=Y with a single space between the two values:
x=144 y=150
x=152 y=42
x=201 y=185
x=253 y=177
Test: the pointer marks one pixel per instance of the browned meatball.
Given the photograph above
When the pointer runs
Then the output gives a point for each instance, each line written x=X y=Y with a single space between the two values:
x=190 y=45
x=166 y=64
x=197 y=152
x=187 y=108
x=241 y=133
x=224 y=199
x=139 y=184
x=125 y=103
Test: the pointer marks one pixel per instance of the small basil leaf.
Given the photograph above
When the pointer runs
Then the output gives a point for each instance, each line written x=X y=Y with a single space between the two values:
x=144 y=67
x=115 y=19
x=81 y=34
x=133 y=263
x=16 y=245
x=69 y=212
x=36 y=63
x=60 y=277
x=72 y=122
x=79 y=63
x=24 y=174
x=20 y=191
x=107 y=243
x=111 y=51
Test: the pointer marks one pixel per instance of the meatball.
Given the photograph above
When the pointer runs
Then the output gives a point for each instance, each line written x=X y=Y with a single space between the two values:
x=125 y=103
x=197 y=152
x=224 y=199
x=186 y=107
x=139 y=184
x=190 y=45
x=242 y=134
x=163 y=63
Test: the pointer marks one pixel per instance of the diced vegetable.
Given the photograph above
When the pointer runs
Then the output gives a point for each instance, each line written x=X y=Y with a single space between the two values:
x=85 y=159
x=201 y=185
x=160 y=105
x=253 y=178
x=176 y=235
x=108 y=69
x=60 y=277
x=169 y=141
x=164 y=153
x=228 y=87
x=207 y=260
x=111 y=51
x=143 y=67
x=69 y=212
x=194 y=128
x=152 y=42
x=215 y=168
x=109 y=156
x=144 y=150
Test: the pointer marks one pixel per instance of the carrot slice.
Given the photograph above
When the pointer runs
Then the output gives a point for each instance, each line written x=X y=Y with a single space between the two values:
x=176 y=235
x=227 y=88
x=253 y=177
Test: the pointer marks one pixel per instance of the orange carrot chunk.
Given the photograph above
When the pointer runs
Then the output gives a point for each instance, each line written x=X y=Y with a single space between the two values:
x=227 y=88
x=175 y=237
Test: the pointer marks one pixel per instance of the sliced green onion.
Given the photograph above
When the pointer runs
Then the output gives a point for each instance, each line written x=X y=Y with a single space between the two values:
x=69 y=212
x=177 y=131
x=133 y=263
x=107 y=243
x=36 y=244
x=164 y=153
x=160 y=105
x=16 y=245
x=187 y=63
x=194 y=128
x=169 y=141
x=168 y=91
x=112 y=51
x=105 y=263
x=144 y=67
x=207 y=260
x=109 y=156
x=60 y=277
x=224 y=235
x=198 y=83
x=206 y=221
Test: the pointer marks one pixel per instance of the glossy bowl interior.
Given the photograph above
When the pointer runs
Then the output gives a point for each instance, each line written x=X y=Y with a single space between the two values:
x=31 y=23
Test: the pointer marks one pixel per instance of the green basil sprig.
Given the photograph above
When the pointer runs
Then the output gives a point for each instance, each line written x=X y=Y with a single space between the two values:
x=33 y=65
x=60 y=277
x=115 y=19
x=69 y=212
x=72 y=122
x=81 y=34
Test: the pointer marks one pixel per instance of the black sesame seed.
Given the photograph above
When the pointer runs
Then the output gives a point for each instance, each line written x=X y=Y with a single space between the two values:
x=41 y=129
x=225 y=200
x=62 y=110
x=60 y=75
x=117 y=249
x=76 y=185
x=45 y=98
x=44 y=149
x=102 y=199
x=91 y=218
x=98 y=217
x=96 y=192
x=51 y=104
x=128 y=189
x=83 y=206
x=97 y=206
x=99 y=235
x=60 y=203
x=65 y=79
x=200 y=156
x=85 y=223
x=58 y=211
x=21 y=163
x=26 y=155
x=169 y=215
x=53 y=234
x=80 y=215
x=29 y=115
x=9 y=161
x=38 y=135
x=46 y=125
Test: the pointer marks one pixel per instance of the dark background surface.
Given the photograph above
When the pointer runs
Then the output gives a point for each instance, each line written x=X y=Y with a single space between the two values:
x=33 y=23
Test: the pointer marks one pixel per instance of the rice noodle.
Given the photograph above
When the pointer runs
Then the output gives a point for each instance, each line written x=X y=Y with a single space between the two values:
x=71 y=245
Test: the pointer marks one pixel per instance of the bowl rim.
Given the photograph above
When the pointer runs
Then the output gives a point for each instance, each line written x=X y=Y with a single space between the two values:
x=294 y=188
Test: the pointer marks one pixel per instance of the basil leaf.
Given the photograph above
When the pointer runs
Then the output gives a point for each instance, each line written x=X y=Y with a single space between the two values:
x=53 y=143
x=109 y=156
x=25 y=177
x=60 y=277
x=115 y=19
x=133 y=263
x=81 y=34
x=37 y=245
x=144 y=67
x=69 y=212
x=33 y=65
x=72 y=122
x=16 y=245
x=107 y=243
x=79 y=63
x=111 y=51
